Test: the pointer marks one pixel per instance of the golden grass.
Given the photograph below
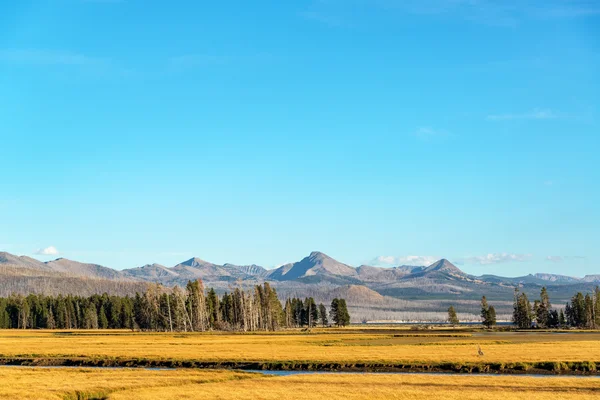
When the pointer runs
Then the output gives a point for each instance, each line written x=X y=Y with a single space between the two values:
x=60 y=383
x=348 y=347
x=137 y=384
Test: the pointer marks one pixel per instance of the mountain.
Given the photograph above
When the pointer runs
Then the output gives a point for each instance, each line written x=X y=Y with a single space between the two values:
x=443 y=267
x=591 y=278
x=25 y=275
x=21 y=264
x=368 y=273
x=150 y=272
x=74 y=268
x=316 y=275
x=557 y=278
x=196 y=268
x=317 y=265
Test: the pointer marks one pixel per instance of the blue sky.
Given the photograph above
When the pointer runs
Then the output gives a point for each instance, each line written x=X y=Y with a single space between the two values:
x=380 y=131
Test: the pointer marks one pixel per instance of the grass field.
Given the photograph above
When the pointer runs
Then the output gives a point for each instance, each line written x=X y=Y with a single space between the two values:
x=346 y=346
x=132 y=384
x=354 y=347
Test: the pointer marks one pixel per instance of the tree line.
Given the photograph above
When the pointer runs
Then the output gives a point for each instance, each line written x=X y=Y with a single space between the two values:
x=582 y=311
x=189 y=309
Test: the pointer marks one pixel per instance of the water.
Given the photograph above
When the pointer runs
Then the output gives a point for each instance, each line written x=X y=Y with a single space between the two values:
x=289 y=373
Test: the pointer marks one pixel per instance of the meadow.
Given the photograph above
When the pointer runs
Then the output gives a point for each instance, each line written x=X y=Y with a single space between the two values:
x=137 y=384
x=210 y=364
x=349 y=345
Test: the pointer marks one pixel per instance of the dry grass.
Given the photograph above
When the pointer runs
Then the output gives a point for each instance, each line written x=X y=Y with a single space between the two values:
x=349 y=347
x=73 y=383
x=137 y=384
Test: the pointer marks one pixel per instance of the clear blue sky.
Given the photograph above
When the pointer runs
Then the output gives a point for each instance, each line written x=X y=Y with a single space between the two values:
x=139 y=131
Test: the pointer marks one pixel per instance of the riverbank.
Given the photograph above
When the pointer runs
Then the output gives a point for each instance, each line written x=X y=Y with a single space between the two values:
x=518 y=368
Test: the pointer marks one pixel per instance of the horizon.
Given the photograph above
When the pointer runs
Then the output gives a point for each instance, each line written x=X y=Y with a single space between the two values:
x=376 y=265
x=384 y=132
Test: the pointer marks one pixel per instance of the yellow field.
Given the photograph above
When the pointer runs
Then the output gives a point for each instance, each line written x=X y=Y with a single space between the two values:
x=346 y=346
x=135 y=384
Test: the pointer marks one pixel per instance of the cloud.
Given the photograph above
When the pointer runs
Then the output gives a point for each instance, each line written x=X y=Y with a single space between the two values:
x=558 y=259
x=403 y=260
x=48 y=251
x=536 y=114
x=494 y=258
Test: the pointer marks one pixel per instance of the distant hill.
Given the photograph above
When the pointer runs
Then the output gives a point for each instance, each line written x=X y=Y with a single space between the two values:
x=317 y=274
x=316 y=264
x=26 y=275
x=196 y=268
x=75 y=268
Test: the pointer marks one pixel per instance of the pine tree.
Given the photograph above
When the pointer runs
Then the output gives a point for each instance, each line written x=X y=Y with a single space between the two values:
x=90 y=317
x=491 y=319
x=542 y=309
x=323 y=315
x=522 y=314
x=485 y=309
x=589 y=318
x=343 y=315
x=212 y=305
x=334 y=311
x=102 y=319
x=562 y=322
x=452 y=317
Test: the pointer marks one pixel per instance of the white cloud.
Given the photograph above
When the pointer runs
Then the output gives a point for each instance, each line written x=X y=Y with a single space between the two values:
x=48 y=251
x=494 y=258
x=391 y=261
x=536 y=114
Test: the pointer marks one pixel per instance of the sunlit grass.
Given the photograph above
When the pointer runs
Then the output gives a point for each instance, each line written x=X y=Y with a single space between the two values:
x=137 y=384
x=315 y=347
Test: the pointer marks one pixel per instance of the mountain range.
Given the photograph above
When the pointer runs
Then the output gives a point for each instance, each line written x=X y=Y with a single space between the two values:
x=316 y=275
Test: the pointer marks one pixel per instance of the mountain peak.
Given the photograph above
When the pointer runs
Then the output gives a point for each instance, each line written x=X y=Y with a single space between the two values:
x=196 y=262
x=444 y=265
x=318 y=255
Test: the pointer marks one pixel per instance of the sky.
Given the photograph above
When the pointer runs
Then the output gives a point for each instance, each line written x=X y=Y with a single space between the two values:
x=376 y=131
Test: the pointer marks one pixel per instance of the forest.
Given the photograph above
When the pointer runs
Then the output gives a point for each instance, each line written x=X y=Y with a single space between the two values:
x=581 y=311
x=192 y=309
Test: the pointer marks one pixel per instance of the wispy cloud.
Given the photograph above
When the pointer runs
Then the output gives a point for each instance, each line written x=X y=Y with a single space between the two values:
x=538 y=113
x=48 y=251
x=494 y=258
x=390 y=261
x=558 y=259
